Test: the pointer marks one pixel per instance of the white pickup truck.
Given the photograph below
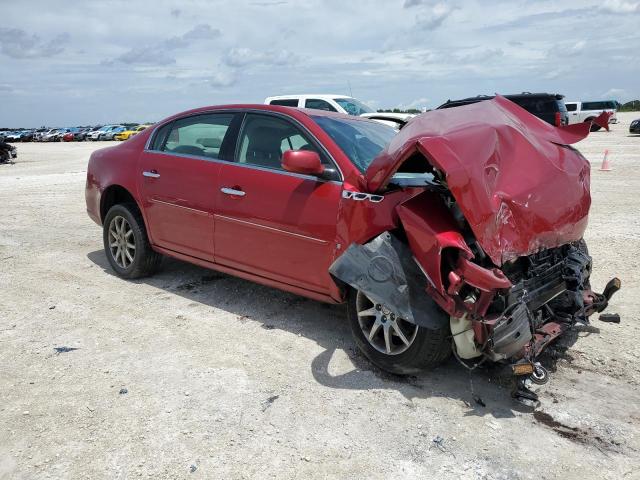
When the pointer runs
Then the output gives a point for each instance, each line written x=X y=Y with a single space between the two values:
x=587 y=111
x=341 y=104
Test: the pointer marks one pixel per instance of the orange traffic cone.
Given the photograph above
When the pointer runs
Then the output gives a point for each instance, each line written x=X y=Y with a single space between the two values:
x=606 y=166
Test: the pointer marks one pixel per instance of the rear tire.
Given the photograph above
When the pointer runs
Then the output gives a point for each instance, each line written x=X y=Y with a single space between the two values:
x=126 y=243
x=594 y=127
x=425 y=348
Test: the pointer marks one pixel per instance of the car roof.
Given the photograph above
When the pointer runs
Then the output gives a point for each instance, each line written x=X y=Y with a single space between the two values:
x=294 y=112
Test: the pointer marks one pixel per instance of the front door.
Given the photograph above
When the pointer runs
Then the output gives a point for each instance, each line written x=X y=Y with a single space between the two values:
x=270 y=222
x=178 y=176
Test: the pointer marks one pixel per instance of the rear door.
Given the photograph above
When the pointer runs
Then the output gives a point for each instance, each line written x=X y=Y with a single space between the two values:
x=271 y=222
x=178 y=176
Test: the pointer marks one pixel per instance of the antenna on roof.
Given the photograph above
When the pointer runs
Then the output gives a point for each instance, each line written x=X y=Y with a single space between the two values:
x=350 y=92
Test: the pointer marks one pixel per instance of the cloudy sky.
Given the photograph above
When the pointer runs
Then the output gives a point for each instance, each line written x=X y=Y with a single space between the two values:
x=104 y=61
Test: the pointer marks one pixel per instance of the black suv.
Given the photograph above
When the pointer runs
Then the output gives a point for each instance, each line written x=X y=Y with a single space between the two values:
x=546 y=106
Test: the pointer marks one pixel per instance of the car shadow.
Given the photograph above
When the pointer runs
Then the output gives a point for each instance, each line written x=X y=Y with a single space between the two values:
x=485 y=391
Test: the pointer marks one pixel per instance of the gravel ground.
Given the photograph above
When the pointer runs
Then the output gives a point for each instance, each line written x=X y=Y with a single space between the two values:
x=196 y=374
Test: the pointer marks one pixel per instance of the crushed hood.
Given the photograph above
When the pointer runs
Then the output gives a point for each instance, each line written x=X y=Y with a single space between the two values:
x=514 y=177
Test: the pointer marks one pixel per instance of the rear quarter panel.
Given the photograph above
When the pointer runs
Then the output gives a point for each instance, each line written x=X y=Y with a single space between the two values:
x=116 y=165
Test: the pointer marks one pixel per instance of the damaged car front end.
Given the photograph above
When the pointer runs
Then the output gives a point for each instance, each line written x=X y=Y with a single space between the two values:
x=488 y=241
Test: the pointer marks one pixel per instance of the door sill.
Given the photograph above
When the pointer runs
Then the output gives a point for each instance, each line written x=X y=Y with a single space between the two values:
x=269 y=282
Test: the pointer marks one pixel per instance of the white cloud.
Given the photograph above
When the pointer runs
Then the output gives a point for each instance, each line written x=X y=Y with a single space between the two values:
x=162 y=57
x=19 y=44
x=241 y=57
x=621 y=6
x=434 y=17
x=222 y=78
x=418 y=103
x=162 y=53
x=619 y=94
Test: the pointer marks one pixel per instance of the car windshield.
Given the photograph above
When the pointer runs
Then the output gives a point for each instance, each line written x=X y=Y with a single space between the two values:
x=360 y=140
x=353 y=106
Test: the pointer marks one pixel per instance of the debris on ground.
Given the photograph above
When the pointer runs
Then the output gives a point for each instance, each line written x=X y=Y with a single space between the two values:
x=267 y=403
x=65 y=349
x=610 y=317
x=123 y=391
x=438 y=442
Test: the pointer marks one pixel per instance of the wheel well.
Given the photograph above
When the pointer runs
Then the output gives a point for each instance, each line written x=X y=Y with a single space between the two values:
x=114 y=195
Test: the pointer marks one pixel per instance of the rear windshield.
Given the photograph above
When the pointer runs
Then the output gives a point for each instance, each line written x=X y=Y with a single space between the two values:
x=360 y=140
x=598 y=105
x=460 y=103
x=538 y=105
x=285 y=102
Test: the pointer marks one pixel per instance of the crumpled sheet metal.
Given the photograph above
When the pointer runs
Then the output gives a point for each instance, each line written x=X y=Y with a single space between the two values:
x=385 y=270
x=603 y=119
x=514 y=177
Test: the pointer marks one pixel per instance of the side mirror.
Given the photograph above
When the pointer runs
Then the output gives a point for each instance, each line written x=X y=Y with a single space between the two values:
x=302 y=161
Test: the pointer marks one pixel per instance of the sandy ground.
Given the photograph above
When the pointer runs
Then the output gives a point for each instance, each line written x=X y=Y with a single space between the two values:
x=227 y=379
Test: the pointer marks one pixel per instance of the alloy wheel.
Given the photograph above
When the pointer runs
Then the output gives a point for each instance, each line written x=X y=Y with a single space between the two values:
x=122 y=243
x=384 y=330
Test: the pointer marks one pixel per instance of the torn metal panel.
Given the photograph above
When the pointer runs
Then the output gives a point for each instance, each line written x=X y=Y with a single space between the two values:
x=603 y=120
x=385 y=270
x=430 y=228
x=515 y=179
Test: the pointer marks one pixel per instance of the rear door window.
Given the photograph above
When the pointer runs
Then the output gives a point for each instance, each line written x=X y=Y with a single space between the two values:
x=571 y=107
x=293 y=102
x=318 y=104
x=159 y=137
x=200 y=135
x=597 y=105
x=537 y=105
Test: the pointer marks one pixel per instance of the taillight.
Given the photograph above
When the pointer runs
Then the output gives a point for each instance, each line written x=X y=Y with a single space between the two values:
x=558 y=119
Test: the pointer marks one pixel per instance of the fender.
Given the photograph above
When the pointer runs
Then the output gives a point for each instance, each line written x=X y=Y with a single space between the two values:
x=431 y=228
x=385 y=270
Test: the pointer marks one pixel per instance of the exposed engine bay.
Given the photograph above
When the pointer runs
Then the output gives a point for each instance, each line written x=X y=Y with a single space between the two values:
x=538 y=298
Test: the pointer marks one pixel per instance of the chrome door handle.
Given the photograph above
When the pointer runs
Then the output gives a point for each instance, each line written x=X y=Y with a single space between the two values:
x=231 y=191
x=151 y=174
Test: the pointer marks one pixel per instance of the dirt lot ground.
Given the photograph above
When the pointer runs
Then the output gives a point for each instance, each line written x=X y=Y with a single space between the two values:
x=227 y=379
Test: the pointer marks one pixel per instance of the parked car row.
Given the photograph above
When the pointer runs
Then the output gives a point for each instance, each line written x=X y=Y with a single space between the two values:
x=73 y=134
x=549 y=107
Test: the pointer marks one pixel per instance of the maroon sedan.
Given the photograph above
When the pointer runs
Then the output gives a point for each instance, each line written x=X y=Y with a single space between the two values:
x=461 y=233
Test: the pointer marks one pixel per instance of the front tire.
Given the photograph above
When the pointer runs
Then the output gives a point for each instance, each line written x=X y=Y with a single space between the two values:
x=126 y=243
x=393 y=344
